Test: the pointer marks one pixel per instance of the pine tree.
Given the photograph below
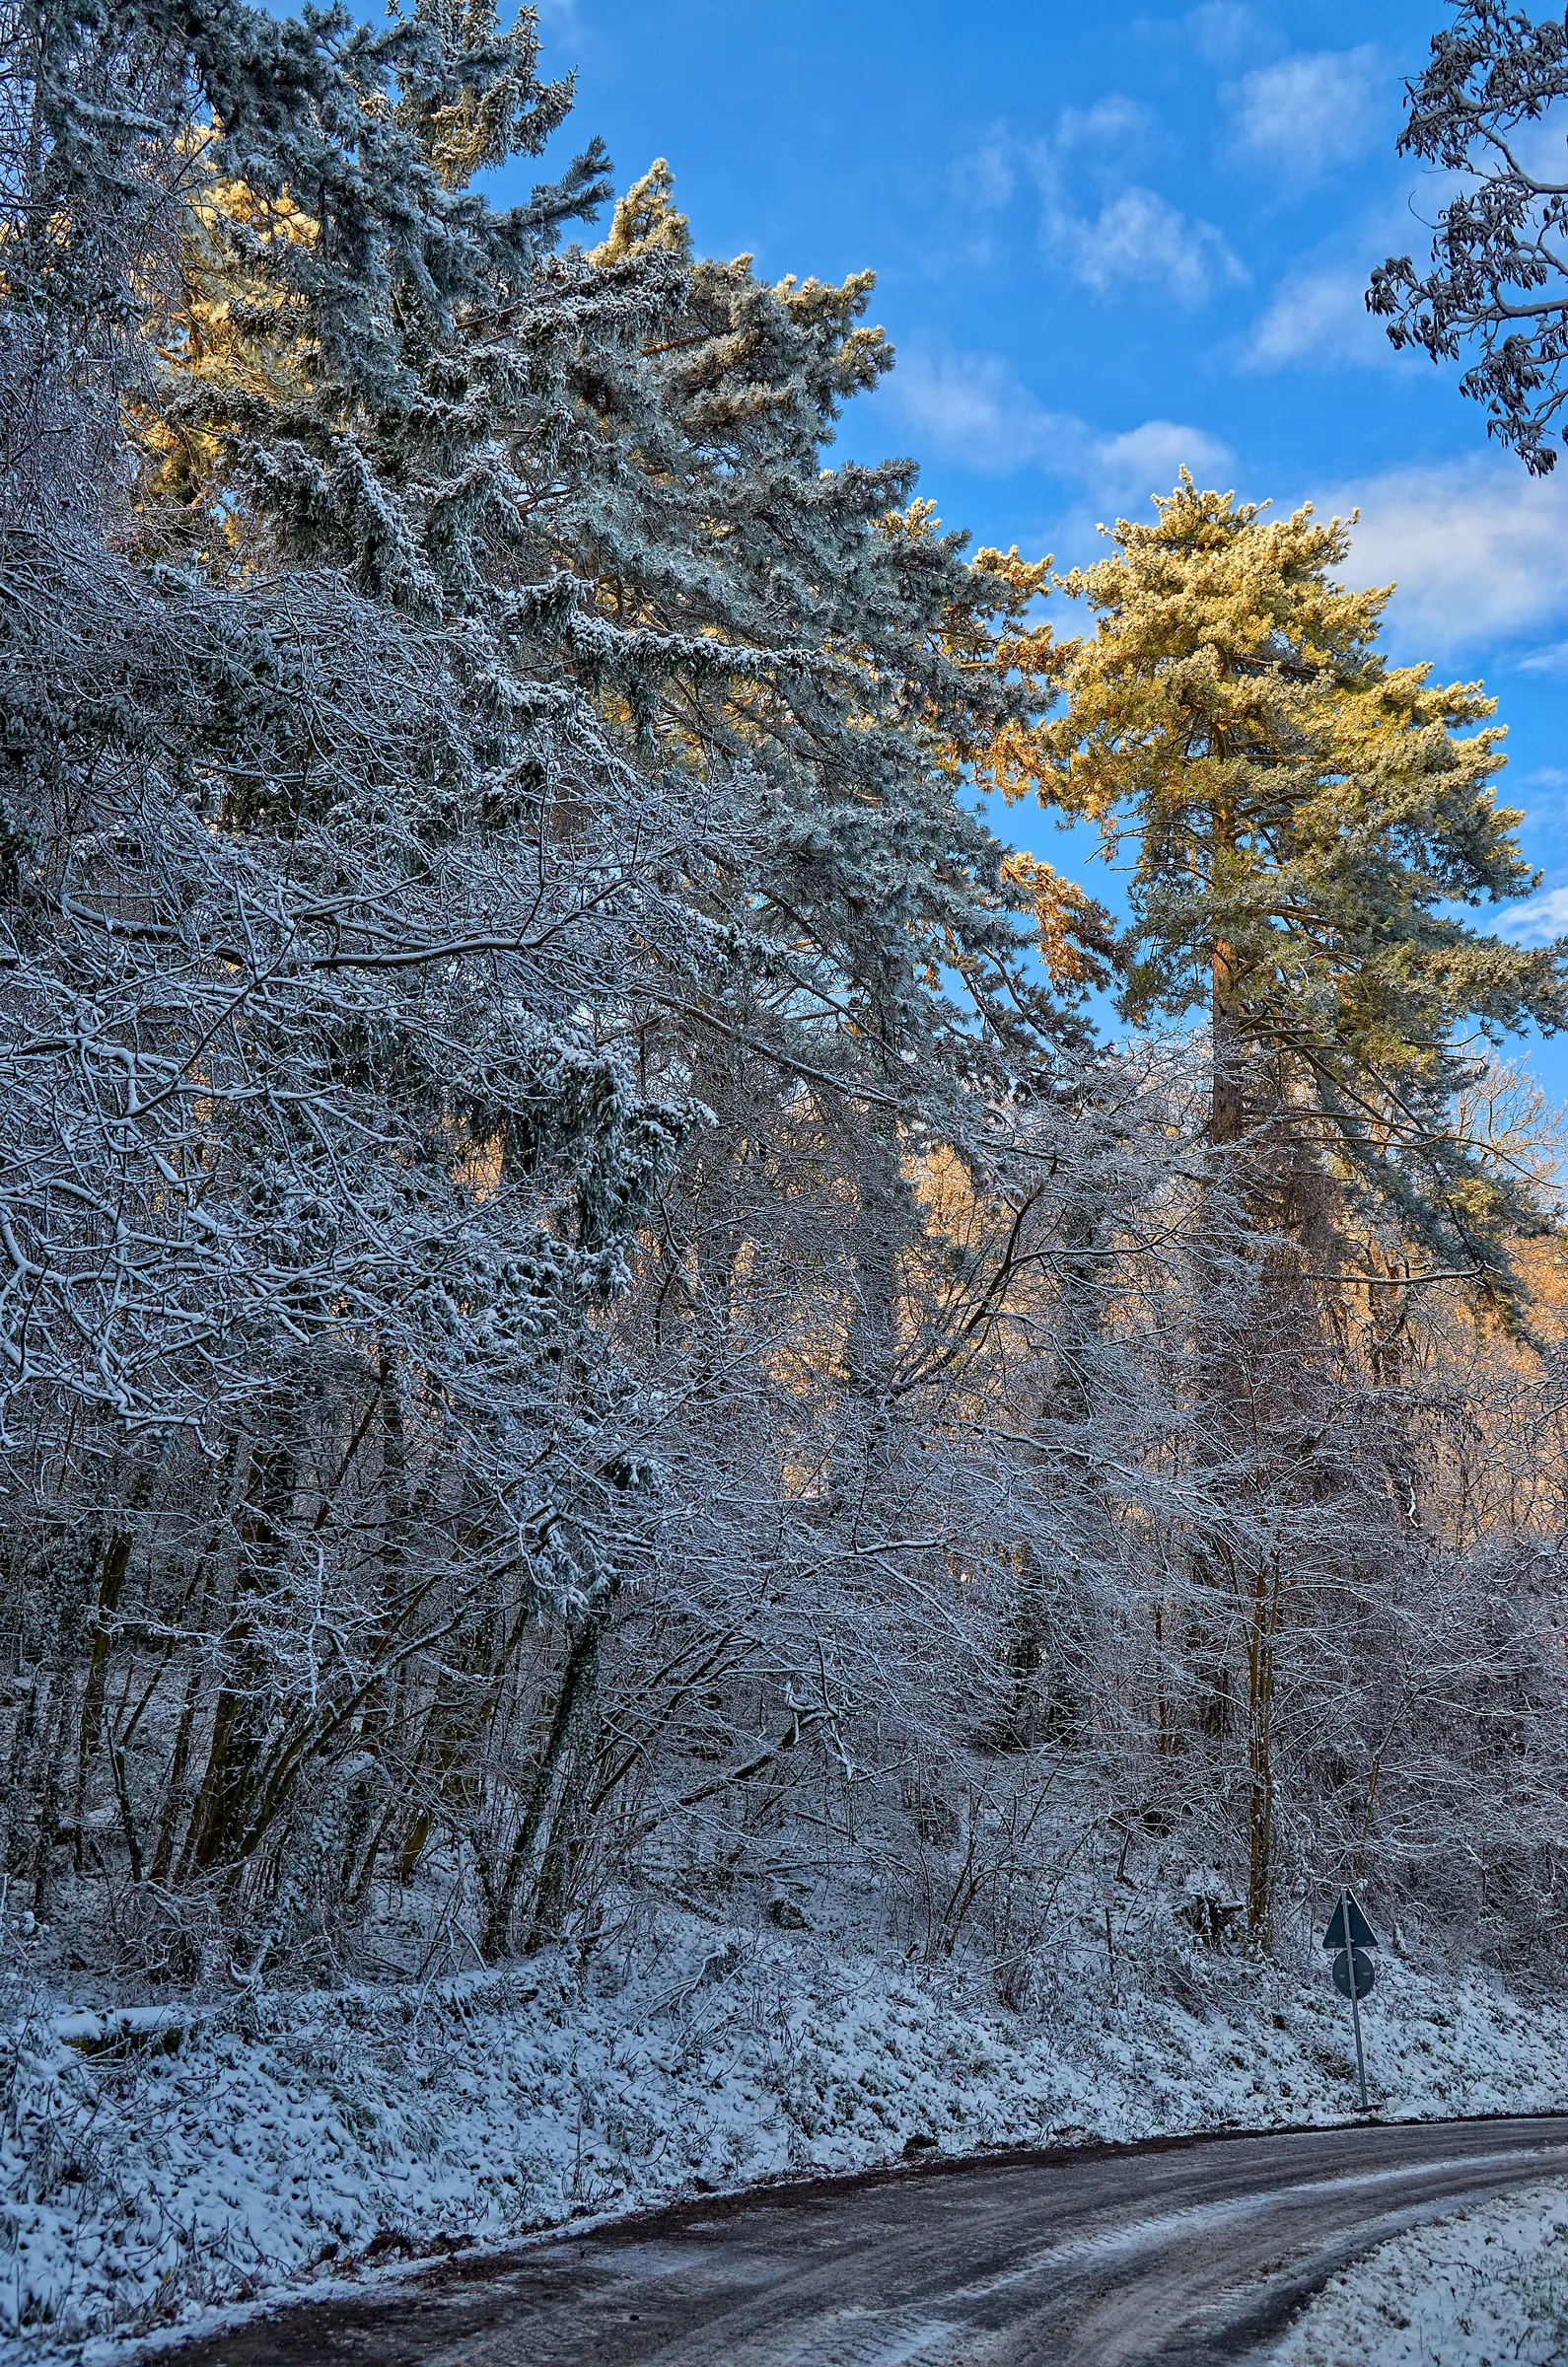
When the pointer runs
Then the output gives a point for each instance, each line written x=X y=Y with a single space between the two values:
x=1304 y=818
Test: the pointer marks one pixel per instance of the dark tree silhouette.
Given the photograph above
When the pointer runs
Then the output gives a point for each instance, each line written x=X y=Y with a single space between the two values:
x=1498 y=279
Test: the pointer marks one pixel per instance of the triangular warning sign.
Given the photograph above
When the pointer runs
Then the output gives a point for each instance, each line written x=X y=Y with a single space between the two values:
x=1360 y=1933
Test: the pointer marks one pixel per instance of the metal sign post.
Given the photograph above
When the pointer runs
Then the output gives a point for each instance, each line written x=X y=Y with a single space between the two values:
x=1350 y=1935
x=1355 y=2015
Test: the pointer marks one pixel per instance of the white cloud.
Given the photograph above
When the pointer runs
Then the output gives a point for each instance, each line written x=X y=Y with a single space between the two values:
x=974 y=407
x=1478 y=548
x=1537 y=147
x=1320 y=316
x=1110 y=123
x=1222 y=32
x=1147 y=459
x=1137 y=240
x=1317 y=315
x=1551 y=660
x=1544 y=918
x=1307 y=112
x=975 y=410
x=985 y=177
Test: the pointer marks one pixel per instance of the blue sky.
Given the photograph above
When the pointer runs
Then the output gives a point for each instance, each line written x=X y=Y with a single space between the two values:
x=1109 y=239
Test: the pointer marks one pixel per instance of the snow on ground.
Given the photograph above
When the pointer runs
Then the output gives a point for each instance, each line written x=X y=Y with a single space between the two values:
x=159 y=2163
x=1478 y=2289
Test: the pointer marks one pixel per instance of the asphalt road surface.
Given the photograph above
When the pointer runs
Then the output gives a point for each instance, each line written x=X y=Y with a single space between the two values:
x=1194 y=2252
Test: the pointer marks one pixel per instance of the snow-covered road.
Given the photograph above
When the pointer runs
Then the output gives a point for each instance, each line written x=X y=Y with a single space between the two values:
x=1104 y=2256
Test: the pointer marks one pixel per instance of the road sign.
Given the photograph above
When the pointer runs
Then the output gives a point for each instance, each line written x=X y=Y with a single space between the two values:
x=1347 y=1911
x=1350 y=1935
x=1364 y=1969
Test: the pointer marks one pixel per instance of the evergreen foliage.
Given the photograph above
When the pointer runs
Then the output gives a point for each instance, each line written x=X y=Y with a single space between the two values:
x=1307 y=822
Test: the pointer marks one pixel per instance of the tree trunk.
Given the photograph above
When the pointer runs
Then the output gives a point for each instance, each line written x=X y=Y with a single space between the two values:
x=579 y=1675
x=242 y=1712
x=110 y=1583
x=1267 y=1601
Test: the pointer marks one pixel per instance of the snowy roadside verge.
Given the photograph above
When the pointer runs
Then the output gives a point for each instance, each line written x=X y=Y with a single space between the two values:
x=155 y=2165
x=1479 y=2289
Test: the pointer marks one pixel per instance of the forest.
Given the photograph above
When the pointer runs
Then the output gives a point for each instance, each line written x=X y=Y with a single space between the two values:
x=608 y=1300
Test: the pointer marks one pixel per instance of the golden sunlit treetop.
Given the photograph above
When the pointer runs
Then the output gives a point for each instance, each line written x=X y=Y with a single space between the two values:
x=1307 y=822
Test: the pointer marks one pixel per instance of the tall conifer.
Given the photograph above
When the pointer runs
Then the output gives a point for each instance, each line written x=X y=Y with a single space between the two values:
x=1307 y=824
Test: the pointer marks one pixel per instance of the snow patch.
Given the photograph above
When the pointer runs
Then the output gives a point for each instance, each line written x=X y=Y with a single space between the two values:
x=1475 y=2289
x=157 y=2165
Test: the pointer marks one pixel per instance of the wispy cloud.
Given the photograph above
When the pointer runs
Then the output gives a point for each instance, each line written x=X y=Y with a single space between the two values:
x=1112 y=122
x=974 y=407
x=1540 y=921
x=1148 y=459
x=1222 y=32
x=985 y=175
x=1307 y=114
x=1320 y=316
x=975 y=410
x=1479 y=551
x=1136 y=237
x=1138 y=240
x=1132 y=238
